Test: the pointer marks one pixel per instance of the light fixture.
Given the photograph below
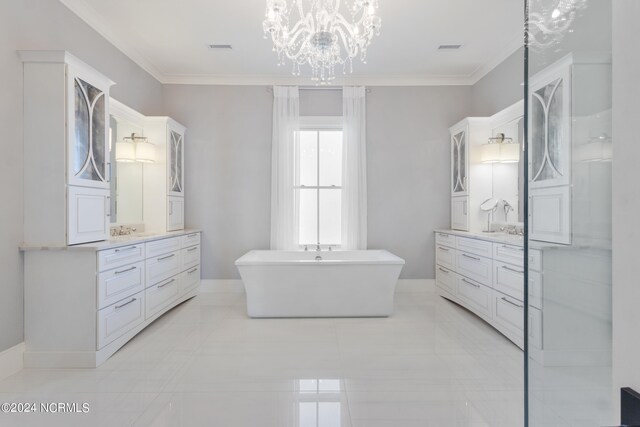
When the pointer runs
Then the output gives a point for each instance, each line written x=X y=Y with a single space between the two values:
x=135 y=148
x=500 y=149
x=322 y=37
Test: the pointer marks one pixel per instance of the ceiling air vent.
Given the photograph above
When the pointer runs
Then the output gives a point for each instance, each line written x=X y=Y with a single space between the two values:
x=449 y=46
x=220 y=46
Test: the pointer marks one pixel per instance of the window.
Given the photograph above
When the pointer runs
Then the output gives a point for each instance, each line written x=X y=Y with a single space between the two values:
x=320 y=183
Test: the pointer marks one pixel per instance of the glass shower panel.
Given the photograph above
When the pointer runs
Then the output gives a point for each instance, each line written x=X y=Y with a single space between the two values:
x=569 y=211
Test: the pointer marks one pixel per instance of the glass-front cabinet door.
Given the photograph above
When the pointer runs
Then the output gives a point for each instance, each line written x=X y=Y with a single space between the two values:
x=459 y=162
x=88 y=99
x=550 y=101
x=175 y=159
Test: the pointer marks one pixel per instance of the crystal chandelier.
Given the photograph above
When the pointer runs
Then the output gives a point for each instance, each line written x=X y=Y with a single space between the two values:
x=322 y=37
x=550 y=20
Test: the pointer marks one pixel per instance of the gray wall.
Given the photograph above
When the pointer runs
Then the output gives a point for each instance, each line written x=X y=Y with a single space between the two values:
x=500 y=88
x=45 y=24
x=228 y=172
x=626 y=197
x=229 y=166
x=408 y=169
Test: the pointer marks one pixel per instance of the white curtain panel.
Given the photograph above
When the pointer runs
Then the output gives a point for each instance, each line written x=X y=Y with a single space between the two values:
x=284 y=203
x=354 y=169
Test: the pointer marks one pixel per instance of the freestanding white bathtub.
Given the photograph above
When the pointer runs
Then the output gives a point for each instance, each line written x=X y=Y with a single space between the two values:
x=338 y=284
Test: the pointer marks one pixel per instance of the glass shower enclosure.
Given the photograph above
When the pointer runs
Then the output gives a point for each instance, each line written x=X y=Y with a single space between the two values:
x=568 y=197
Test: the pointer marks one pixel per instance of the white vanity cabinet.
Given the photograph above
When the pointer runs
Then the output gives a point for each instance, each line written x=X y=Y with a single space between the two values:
x=485 y=276
x=164 y=180
x=66 y=168
x=468 y=183
x=83 y=303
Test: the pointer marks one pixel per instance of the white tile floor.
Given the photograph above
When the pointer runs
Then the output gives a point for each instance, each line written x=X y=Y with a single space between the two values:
x=206 y=364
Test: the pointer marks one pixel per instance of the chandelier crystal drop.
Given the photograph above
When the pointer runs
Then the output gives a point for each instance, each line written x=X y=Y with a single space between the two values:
x=551 y=20
x=322 y=36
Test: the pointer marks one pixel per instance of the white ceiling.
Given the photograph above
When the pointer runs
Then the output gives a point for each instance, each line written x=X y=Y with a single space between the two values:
x=169 y=39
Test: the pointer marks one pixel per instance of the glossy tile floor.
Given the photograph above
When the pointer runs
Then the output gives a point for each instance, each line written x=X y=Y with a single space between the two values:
x=206 y=364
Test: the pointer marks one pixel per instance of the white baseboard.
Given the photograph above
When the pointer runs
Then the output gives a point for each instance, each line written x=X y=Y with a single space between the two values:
x=11 y=360
x=236 y=286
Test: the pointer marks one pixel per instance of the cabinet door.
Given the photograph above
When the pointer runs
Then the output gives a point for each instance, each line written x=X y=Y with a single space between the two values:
x=550 y=124
x=459 y=163
x=88 y=215
x=175 y=161
x=87 y=149
x=550 y=214
x=460 y=213
x=175 y=213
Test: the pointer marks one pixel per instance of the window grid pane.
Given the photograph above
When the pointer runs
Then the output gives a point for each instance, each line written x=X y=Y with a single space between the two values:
x=330 y=158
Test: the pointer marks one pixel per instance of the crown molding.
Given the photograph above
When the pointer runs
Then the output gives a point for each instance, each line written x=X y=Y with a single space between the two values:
x=511 y=48
x=96 y=21
x=89 y=15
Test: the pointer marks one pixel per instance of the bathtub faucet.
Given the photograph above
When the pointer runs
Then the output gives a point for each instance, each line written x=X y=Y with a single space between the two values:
x=318 y=247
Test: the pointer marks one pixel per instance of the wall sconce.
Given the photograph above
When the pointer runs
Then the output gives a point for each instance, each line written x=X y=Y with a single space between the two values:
x=135 y=148
x=500 y=149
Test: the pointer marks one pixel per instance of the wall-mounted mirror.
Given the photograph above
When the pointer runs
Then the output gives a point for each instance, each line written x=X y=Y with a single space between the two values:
x=126 y=172
x=508 y=174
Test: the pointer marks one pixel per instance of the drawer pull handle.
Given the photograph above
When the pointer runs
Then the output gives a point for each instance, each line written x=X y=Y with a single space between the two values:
x=471 y=283
x=126 y=303
x=192 y=235
x=443 y=270
x=192 y=271
x=192 y=249
x=126 y=271
x=443 y=249
x=130 y=248
x=165 y=284
x=471 y=257
x=166 y=257
x=512 y=269
x=443 y=235
x=512 y=303
x=511 y=248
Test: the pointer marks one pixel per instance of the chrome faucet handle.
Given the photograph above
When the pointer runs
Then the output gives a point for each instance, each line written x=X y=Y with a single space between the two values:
x=306 y=248
x=330 y=248
x=318 y=247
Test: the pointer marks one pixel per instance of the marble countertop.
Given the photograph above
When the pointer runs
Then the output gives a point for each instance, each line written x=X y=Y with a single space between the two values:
x=114 y=242
x=507 y=239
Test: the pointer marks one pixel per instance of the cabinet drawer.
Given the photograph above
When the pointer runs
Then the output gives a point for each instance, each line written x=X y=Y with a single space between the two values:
x=189 y=280
x=535 y=328
x=119 y=283
x=445 y=239
x=190 y=257
x=446 y=279
x=162 y=267
x=508 y=279
x=115 y=320
x=163 y=246
x=446 y=257
x=475 y=267
x=117 y=257
x=508 y=314
x=475 y=296
x=160 y=296
x=477 y=247
x=190 y=240
x=508 y=253
x=535 y=260
x=535 y=289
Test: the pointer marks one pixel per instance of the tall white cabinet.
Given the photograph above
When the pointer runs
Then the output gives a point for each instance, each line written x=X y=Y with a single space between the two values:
x=561 y=96
x=164 y=180
x=66 y=168
x=470 y=179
